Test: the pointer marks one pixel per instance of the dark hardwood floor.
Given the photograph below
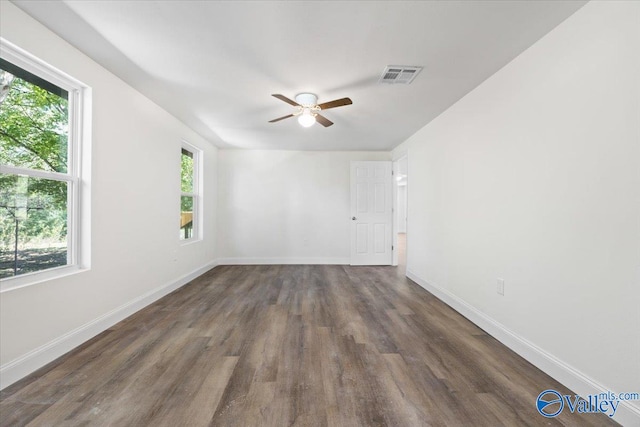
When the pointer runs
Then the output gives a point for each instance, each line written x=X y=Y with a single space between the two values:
x=289 y=345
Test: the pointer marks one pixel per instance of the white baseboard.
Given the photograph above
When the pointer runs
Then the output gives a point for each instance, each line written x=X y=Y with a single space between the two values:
x=37 y=358
x=283 y=260
x=627 y=414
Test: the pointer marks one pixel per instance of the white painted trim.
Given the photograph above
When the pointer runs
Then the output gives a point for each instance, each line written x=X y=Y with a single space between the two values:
x=31 y=63
x=283 y=260
x=39 y=357
x=627 y=414
x=394 y=215
x=36 y=173
x=28 y=279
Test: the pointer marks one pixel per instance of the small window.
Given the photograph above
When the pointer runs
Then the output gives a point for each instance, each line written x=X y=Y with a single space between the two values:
x=39 y=166
x=189 y=192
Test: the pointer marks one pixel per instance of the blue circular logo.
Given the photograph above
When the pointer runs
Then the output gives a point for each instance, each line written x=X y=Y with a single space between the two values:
x=549 y=403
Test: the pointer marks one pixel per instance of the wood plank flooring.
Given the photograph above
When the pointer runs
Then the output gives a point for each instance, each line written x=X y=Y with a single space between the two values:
x=289 y=346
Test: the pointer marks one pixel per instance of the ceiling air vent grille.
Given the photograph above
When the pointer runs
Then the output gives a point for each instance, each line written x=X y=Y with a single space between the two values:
x=399 y=74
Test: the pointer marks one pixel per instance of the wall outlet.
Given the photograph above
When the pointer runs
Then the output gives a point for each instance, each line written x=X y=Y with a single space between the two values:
x=500 y=287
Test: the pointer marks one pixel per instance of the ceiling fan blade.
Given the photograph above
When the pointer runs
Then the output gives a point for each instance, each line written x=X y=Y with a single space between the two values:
x=285 y=99
x=280 y=118
x=333 y=104
x=323 y=120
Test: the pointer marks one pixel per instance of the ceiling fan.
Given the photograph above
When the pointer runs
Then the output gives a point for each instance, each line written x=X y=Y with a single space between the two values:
x=308 y=109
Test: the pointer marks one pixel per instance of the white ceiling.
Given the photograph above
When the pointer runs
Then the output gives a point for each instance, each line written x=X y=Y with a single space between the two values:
x=215 y=64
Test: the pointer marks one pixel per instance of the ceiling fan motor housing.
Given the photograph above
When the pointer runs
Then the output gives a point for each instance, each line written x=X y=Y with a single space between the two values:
x=307 y=99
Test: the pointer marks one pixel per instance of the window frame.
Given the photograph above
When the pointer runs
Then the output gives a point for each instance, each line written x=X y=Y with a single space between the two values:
x=78 y=157
x=196 y=194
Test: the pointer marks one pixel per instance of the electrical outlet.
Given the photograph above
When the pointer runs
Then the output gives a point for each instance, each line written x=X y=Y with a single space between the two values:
x=500 y=287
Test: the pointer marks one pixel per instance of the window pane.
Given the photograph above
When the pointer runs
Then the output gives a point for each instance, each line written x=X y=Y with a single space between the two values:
x=34 y=122
x=33 y=224
x=186 y=171
x=186 y=217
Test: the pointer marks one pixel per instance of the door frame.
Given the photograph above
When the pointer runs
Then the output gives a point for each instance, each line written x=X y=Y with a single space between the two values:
x=395 y=224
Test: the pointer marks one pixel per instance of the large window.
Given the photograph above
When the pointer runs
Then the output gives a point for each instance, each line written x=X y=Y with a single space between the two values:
x=189 y=192
x=39 y=166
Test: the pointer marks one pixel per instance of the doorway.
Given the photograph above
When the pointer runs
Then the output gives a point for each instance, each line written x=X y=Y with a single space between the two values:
x=400 y=204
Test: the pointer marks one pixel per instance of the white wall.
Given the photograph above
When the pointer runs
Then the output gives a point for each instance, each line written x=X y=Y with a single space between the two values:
x=534 y=177
x=135 y=211
x=285 y=206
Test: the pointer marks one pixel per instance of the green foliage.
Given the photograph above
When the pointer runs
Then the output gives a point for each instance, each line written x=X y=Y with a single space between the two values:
x=186 y=172
x=186 y=204
x=34 y=128
x=34 y=135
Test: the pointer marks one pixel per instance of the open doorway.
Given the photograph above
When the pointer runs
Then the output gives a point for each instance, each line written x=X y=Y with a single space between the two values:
x=400 y=204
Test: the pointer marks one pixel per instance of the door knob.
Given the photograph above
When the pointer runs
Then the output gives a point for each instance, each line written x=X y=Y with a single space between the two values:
x=353 y=218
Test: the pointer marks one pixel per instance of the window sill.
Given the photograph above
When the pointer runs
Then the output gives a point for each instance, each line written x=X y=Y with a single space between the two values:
x=190 y=241
x=24 y=280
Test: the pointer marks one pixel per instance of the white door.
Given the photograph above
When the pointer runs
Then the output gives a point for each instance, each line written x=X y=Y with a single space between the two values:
x=371 y=213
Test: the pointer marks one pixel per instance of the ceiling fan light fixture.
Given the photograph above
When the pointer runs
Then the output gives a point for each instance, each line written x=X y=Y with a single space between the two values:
x=308 y=109
x=306 y=119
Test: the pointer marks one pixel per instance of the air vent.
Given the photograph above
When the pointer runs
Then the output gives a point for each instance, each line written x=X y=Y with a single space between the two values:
x=399 y=74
